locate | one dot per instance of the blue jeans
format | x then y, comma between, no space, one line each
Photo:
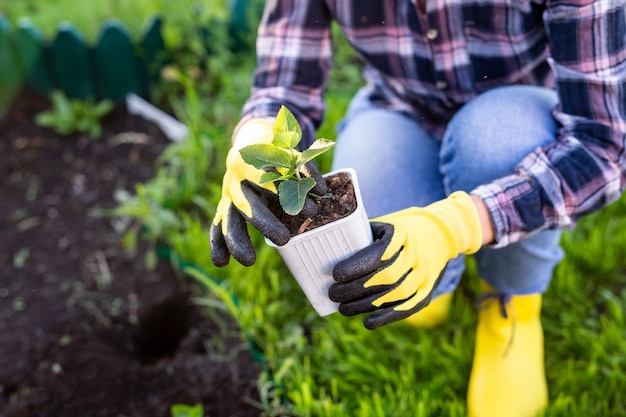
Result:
399,165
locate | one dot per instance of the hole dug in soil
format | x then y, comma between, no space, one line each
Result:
163,327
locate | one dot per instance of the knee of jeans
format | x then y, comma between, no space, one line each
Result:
506,110
493,132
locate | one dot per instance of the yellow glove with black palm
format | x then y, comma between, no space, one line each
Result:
244,199
395,276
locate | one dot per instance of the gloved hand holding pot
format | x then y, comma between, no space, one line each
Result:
389,267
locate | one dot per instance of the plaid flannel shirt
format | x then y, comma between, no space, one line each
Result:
427,65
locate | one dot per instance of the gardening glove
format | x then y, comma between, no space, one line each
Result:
395,276
245,200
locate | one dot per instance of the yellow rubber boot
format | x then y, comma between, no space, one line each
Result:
508,372
433,314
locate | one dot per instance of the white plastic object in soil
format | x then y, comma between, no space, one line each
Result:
172,128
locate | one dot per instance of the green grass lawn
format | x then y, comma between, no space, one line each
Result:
334,367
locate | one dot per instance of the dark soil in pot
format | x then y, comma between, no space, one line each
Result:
339,202
85,328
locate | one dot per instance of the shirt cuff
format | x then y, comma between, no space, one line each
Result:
491,194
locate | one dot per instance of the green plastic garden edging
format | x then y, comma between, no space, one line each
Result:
110,69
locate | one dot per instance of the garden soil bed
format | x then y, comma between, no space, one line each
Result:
85,328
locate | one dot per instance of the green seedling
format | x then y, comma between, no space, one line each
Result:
74,116
183,410
283,162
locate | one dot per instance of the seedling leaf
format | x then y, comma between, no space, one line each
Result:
270,177
102,108
265,155
183,410
317,148
287,139
292,194
286,161
286,122
69,115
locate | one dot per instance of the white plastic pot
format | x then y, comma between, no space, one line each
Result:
311,256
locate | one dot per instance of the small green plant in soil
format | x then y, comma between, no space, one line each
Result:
283,162
183,410
74,116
